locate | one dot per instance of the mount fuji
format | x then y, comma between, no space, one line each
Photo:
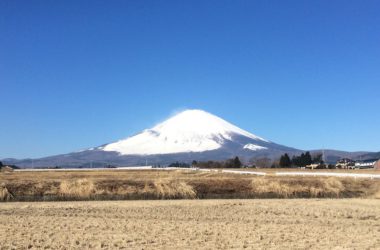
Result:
189,131
187,136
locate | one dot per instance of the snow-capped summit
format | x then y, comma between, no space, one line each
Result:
189,131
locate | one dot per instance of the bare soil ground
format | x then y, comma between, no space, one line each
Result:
192,224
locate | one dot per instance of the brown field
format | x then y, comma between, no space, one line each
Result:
273,170
174,184
186,224
192,224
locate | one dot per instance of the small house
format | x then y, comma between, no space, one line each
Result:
366,163
345,163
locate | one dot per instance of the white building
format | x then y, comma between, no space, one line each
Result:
366,163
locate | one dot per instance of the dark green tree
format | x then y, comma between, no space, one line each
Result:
302,160
285,161
179,165
237,162
308,160
296,161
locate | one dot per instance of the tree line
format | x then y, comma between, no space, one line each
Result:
230,163
300,161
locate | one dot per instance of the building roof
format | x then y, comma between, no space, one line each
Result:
367,161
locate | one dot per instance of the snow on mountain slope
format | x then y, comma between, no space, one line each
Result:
253,147
188,131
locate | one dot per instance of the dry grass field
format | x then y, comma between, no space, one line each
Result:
218,222
175,184
192,224
273,170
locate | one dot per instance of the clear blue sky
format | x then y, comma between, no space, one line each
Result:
77,74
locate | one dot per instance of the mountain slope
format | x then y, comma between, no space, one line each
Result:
190,135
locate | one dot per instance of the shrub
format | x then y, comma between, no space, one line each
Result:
173,189
80,188
5,195
266,188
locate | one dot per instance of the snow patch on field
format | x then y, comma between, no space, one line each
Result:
243,172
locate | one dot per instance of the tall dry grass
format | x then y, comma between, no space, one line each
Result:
173,189
265,188
134,185
162,188
80,188
5,195
377,195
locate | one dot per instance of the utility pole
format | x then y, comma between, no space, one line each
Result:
324,158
